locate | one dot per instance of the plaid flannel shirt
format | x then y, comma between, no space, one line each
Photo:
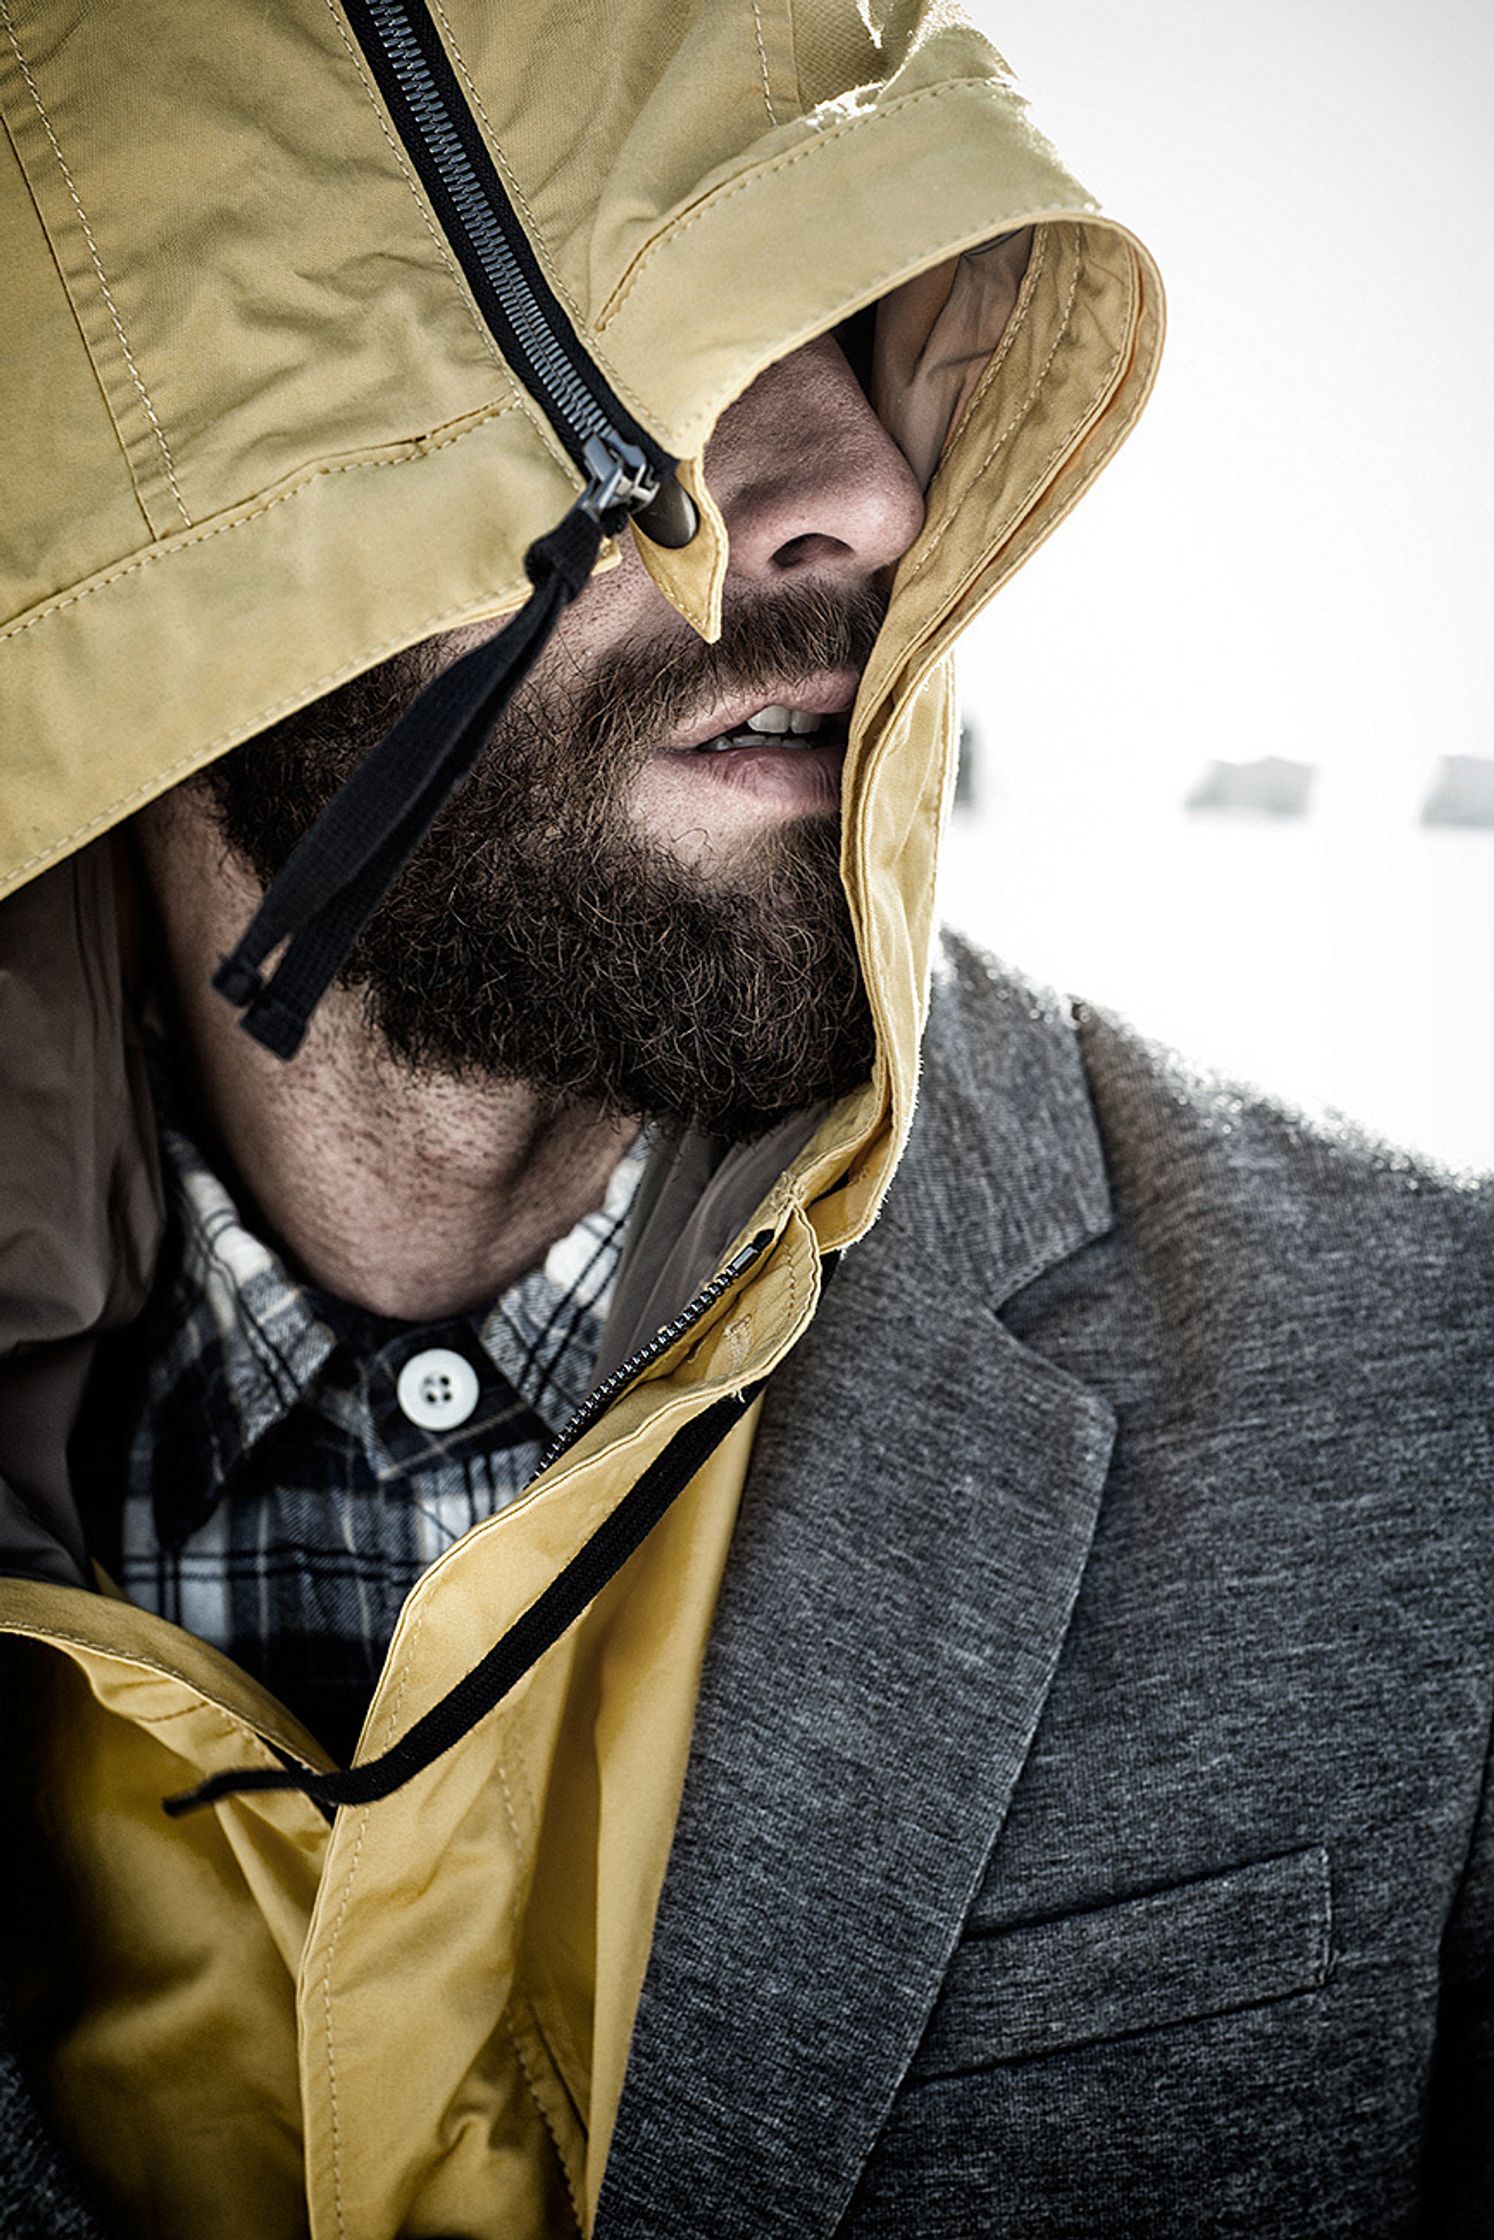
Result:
278,1500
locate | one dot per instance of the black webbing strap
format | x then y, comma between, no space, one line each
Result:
345,865
527,1639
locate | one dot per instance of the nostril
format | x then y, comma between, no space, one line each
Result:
811,550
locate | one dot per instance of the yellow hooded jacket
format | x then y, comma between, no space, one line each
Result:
263,431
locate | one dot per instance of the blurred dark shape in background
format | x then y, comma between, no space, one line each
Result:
1272,787
967,771
1462,792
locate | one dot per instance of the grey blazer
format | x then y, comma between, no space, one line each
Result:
1086,1830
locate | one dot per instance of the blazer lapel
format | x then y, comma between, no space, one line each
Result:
920,1507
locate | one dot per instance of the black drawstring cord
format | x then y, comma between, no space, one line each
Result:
527,1639
345,865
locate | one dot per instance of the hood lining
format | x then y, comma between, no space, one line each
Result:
999,442
1031,275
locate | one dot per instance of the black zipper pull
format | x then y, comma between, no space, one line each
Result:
343,867
621,479
659,506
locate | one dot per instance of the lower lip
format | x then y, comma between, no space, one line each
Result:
795,777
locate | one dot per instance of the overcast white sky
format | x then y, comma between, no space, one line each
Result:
1293,556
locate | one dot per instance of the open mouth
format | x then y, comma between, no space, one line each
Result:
816,718
789,730
741,763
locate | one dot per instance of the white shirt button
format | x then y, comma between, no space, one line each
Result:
437,1389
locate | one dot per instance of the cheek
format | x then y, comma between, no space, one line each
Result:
613,612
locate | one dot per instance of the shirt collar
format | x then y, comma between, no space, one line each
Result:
543,1332
232,1340
235,1340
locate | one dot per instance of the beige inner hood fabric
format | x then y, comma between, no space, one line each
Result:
261,436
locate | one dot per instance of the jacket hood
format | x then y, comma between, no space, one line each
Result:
267,434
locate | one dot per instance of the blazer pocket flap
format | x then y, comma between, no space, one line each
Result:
1201,1948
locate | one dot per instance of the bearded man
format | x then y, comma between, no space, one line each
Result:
655,1741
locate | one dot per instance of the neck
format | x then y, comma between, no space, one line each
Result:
413,1196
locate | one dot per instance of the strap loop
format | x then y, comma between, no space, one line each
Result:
343,867
526,1641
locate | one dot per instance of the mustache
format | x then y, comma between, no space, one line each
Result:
770,641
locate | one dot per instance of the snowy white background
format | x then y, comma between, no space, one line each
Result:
1291,557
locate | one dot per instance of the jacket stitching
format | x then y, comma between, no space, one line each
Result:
1021,312
510,180
335,1938
1016,420
526,1786
1104,391
232,1728
238,1728
72,1640
800,101
586,332
204,535
505,1791
478,324
511,1816
231,738
762,63
510,2031
334,2111
93,250
671,232
290,701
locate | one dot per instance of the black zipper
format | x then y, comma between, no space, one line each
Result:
323,896
601,1397
575,1585
344,866
625,468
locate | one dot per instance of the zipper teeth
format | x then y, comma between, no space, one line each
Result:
602,1397
568,393
483,230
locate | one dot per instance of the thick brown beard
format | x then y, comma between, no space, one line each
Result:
579,956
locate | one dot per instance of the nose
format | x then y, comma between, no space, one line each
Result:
807,478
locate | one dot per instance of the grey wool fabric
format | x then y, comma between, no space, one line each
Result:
1086,1831
40,2195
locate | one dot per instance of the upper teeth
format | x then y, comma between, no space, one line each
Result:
778,719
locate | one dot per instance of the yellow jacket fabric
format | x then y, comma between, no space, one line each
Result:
261,436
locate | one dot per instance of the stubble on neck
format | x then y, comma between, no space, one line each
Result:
416,1195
